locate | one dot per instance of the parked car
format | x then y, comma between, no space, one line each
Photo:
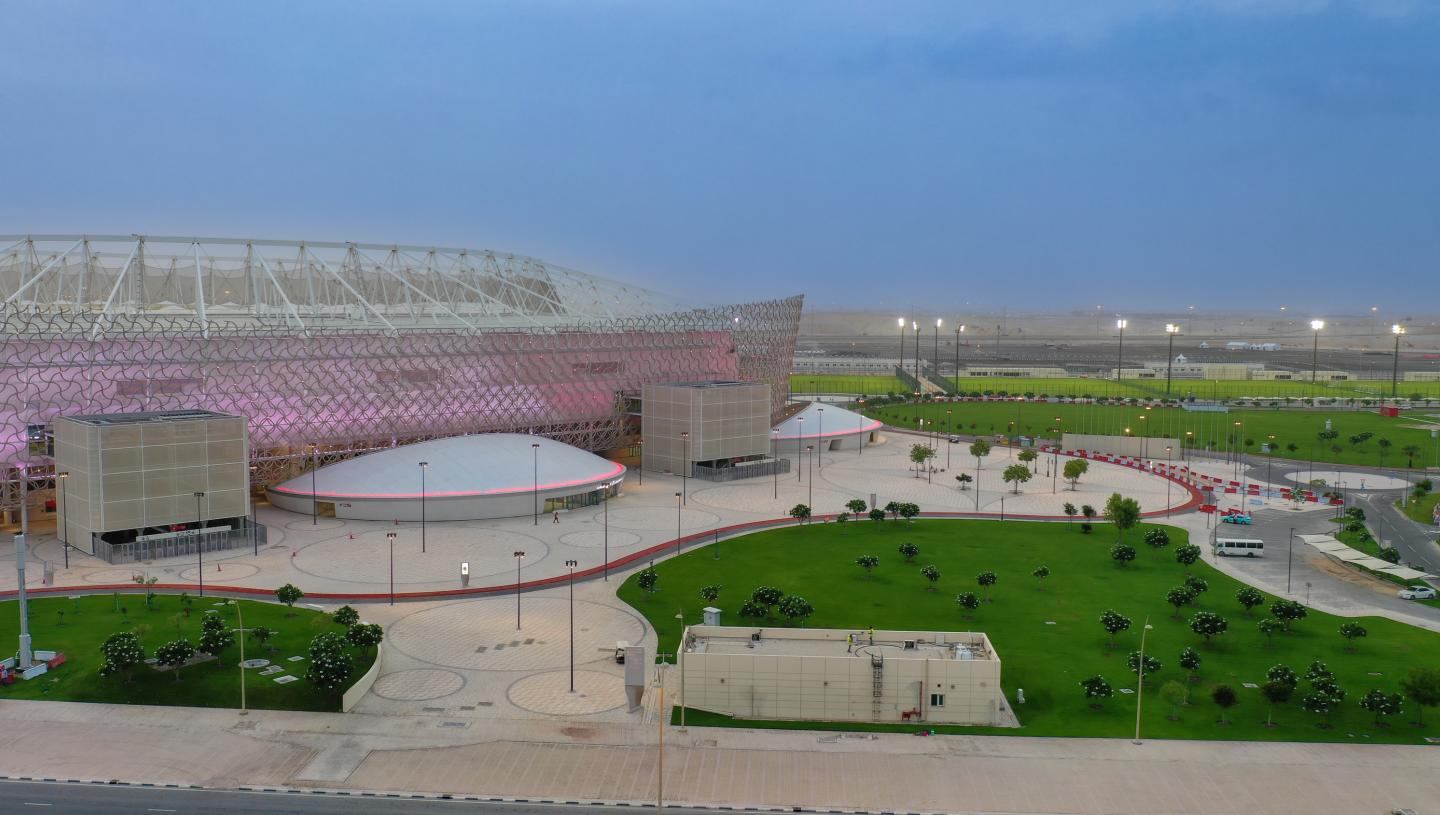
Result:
954,439
1417,593
1237,519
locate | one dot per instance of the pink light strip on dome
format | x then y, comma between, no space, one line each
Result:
554,485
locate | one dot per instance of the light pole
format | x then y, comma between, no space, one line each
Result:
1168,448
799,438
424,465
241,629
685,471
901,323
64,518
1399,331
641,468
949,435
915,326
200,542
1316,326
571,564
681,659
810,455
1189,440
936,360
391,537
254,520
677,523
775,464
1289,558
314,495
519,556
1269,462
534,486
1120,353
820,439
1239,451
1144,438
861,417
1140,685
958,331
605,513
1170,330
1055,464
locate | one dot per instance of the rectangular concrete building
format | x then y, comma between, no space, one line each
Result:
714,424
940,677
129,474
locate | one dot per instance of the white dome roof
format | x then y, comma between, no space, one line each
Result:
483,464
835,421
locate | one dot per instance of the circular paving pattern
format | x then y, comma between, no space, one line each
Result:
659,519
418,685
366,559
549,693
254,663
328,523
1350,478
481,635
596,539
228,572
112,576
758,497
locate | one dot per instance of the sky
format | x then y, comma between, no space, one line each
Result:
1020,155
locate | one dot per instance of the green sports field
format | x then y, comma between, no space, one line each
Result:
1048,636
801,384
78,627
1410,442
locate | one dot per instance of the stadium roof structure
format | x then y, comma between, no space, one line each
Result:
303,285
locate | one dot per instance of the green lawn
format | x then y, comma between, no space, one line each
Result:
1297,427
802,384
1181,388
1421,509
89,620
818,562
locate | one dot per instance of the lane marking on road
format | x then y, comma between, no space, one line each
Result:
159,810
35,804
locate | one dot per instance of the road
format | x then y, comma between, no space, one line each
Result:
99,799
1416,543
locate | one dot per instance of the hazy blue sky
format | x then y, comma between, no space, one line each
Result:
1136,154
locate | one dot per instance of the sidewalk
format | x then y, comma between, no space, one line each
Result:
718,767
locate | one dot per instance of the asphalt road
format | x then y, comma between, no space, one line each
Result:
84,799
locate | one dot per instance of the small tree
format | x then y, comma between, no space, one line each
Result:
795,608
963,481
750,608
1178,597
1352,631
1176,696
931,573
710,593
1208,624
1190,661
919,455
908,510
767,596
1070,511
1113,622
330,666
1028,457
1088,512
121,652
1040,573
215,637
1152,664
289,595
1187,555
346,616
1074,468
1381,704
1422,685
1016,474
800,513
968,601
262,635
868,563
1287,611
1224,696
1094,688
364,635
1274,693
1282,673
909,550
877,514
1122,554
1197,586
174,655
648,580
1319,703
1249,597
1122,512
1268,626
1157,538
857,506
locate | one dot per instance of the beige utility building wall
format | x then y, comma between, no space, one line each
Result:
810,674
1303,376
1132,446
1021,371
724,420
135,470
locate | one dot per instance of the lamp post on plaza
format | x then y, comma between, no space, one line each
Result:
936,360
1189,440
775,465
424,465
1317,326
915,326
641,457
901,322
519,556
799,439
685,468
1144,438
605,513
64,518
391,537
677,523
681,618
948,438
958,331
254,521
1399,331
1140,684
1055,462
1170,330
314,495
1120,352
1239,450
820,439
1168,448
1269,461
862,425
810,454
571,564
199,542
535,485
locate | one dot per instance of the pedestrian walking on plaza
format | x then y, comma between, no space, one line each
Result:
872,635
849,643
557,517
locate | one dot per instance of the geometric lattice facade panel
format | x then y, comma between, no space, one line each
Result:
347,355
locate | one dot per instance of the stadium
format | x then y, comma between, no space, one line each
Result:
331,350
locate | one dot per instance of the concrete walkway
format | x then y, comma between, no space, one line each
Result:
719,767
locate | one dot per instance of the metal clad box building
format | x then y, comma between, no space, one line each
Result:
704,422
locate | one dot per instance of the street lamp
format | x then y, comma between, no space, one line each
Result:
901,322
519,556
681,618
958,331
1144,438
861,418
810,456
314,496
424,465
1120,353
1189,440
64,518
1055,463
1316,326
641,468
685,471
200,541
820,439
1140,685
571,564
254,522
949,434
1399,331
391,537
775,463
1168,448
1171,330
1239,445
936,360
1269,462
678,499
605,506
535,484
799,438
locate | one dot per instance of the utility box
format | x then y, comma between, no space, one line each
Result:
1390,410
635,665
712,615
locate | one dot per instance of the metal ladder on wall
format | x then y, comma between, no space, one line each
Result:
877,685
